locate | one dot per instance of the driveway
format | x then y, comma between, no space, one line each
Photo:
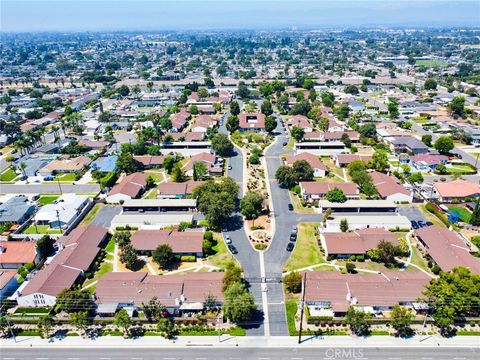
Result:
412,213
106,214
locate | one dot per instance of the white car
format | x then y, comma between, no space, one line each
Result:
227,239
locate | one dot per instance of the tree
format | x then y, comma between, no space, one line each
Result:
234,108
178,175
297,133
222,145
72,300
80,321
475,217
350,267
167,328
430,84
233,124
266,108
415,178
286,176
45,324
210,302
393,109
243,92
199,170
343,111
193,109
44,246
336,195
163,256
239,304
154,310
270,124
345,139
453,296
303,170
128,256
126,163
379,161
123,321
293,282
457,106
358,321
150,182
344,225
251,205
351,89
386,252
328,99
444,144
233,274
123,90
323,124
401,320
168,164
3,325
427,139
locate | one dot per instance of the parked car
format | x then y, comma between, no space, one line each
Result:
294,229
429,223
227,239
290,246
415,225
48,178
290,207
229,167
293,237
421,223
285,143
232,249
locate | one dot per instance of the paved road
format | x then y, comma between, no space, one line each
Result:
106,214
250,353
49,188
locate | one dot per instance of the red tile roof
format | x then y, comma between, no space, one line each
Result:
312,159
252,121
319,188
387,185
17,252
457,189
130,185
180,241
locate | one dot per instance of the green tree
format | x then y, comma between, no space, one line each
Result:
358,321
233,274
427,139
430,84
270,124
345,139
286,176
342,111
167,328
128,256
233,124
243,91
457,106
475,217
44,246
199,170
293,282
336,195
45,324
239,304
193,109
266,108
328,99
350,267
72,300
163,256
154,310
323,124
386,252
453,296
444,144
234,108
401,320
297,133
379,161
123,321
222,145
251,205
393,109
80,321
344,225
168,164
303,170
123,90
178,175
415,178
126,163
150,182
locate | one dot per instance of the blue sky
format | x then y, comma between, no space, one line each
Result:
79,15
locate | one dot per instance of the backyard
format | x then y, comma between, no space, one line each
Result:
41,229
47,199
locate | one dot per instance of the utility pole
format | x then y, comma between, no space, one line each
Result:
302,307
59,186
58,219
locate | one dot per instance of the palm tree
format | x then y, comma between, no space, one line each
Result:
22,167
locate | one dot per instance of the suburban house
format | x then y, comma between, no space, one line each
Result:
447,249
77,253
213,164
126,290
177,190
151,220
130,187
456,190
8,283
335,126
150,161
321,147
179,120
15,254
363,220
104,164
301,121
331,136
312,190
202,123
63,212
342,160
187,137
345,244
183,243
158,205
427,162
389,188
253,122
408,144
94,144
359,206
330,294
61,166
16,210
319,168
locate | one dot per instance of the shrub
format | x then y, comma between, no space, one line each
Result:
436,269
188,258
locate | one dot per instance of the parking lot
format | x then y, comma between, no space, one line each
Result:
413,214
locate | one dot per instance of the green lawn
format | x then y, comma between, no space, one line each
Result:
460,169
91,215
110,246
71,177
418,260
431,63
464,213
291,307
8,175
156,174
306,251
47,199
105,268
42,229
222,256
297,205
290,145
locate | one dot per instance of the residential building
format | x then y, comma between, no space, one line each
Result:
104,164
312,190
213,164
252,122
408,144
177,190
427,162
321,147
16,210
150,161
389,188
319,168
359,207
364,221
343,160
15,254
62,166
63,212
130,187
456,190
188,243
151,221
158,205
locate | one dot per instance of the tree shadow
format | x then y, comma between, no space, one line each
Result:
234,223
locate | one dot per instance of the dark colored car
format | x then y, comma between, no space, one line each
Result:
290,207
421,223
285,143
429,223
290,246
415,225
232,249
293,237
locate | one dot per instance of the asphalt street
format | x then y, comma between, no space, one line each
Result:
237,353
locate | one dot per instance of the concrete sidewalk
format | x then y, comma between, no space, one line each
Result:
243,341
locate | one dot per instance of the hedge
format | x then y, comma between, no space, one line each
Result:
188,258
433,209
